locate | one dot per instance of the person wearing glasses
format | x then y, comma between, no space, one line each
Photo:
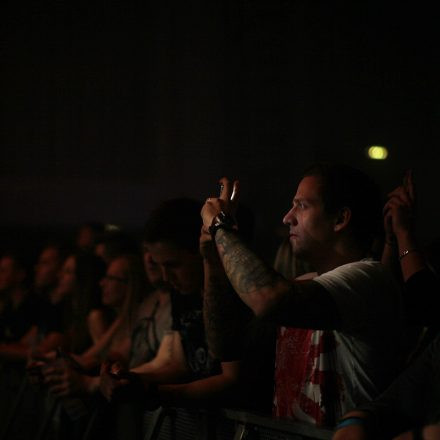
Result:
123,288
172,244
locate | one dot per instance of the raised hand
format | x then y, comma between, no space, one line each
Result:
227,202
399,210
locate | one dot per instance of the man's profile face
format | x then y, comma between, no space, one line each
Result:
10,275
114,285
67,277
180,268
311,229
152,269
47,268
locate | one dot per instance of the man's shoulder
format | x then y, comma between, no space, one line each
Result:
360,275
366,295
364,267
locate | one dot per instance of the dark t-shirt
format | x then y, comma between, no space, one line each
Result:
14,323
188,321
53,317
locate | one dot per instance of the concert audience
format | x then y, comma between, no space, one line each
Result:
203,322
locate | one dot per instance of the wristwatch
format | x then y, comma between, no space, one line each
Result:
222,221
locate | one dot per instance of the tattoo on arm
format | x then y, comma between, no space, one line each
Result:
298,304
224,313
247,273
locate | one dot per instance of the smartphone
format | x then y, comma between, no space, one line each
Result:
121,375
233,192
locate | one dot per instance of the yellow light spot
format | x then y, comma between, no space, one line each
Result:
377,152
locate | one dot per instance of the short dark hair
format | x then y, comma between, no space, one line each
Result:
345,186
175,221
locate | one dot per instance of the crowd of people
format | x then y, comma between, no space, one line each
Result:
340,331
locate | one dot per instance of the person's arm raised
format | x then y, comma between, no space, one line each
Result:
400,209
259,286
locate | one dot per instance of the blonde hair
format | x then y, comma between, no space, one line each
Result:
137,286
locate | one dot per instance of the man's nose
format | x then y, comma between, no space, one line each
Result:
290,218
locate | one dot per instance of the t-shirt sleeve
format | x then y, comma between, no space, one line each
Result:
365,293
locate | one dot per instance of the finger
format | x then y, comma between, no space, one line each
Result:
400,191
34,364
49,371
390,205
105,367
227,187
401,195
107,395
405,179
388,218
123,382
40,357
53,380
116,368
59,389
410,186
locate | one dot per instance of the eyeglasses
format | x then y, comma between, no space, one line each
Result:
113,278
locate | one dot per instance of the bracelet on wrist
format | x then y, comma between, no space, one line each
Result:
351,421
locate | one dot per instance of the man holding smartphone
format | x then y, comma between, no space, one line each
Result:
346,318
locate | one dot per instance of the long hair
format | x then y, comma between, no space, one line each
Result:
137,286
86,296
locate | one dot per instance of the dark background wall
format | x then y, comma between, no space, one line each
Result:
107,109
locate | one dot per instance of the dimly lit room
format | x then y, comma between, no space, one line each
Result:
110,109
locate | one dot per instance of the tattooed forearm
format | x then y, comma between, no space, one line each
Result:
245,270
224,314
256,282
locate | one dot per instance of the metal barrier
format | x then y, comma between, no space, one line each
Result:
227,424
255,426
32,414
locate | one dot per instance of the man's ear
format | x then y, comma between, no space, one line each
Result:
342,219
